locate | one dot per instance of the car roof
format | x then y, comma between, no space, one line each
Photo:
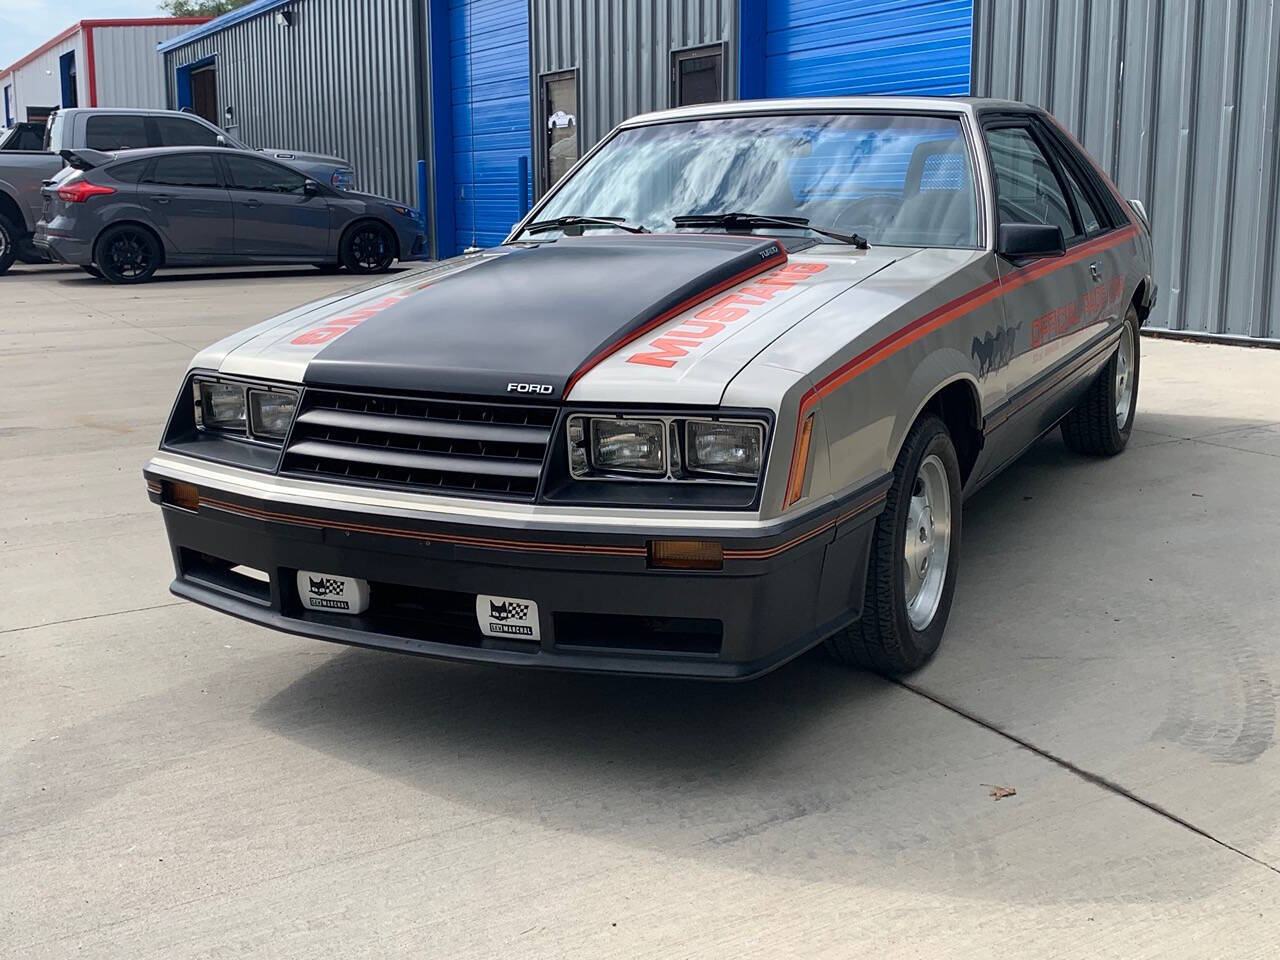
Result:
972,106
141,153
134,111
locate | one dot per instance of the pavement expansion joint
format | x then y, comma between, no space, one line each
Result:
1086,775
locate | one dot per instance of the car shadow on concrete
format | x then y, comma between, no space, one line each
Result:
813,771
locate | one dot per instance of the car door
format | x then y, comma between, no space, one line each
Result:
188,204
1045,322
276,215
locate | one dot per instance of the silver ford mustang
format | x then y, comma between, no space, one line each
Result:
718,399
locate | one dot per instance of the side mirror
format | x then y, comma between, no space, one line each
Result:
310,188
222,141
1030,241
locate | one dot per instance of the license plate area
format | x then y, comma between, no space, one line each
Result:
332,593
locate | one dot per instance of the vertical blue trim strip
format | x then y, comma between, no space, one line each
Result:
444,243
751,49
65,64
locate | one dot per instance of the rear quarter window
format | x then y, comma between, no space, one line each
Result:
130,172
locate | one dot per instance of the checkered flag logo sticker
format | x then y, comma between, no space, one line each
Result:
326,587
509,610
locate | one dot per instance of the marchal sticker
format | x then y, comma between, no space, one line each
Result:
330,593
507,617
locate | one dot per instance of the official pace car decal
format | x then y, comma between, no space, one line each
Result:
672,345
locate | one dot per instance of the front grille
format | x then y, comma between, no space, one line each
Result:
420,443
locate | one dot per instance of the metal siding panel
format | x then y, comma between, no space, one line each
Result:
622,52
39,82
341,80
130,73
1180,101
823,47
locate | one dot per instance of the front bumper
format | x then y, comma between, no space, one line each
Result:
601,607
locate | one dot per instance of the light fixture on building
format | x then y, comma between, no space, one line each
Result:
284,18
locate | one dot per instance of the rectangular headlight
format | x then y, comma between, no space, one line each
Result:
723,447
271,412
220,406
629,446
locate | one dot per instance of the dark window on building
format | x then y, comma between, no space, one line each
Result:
176,132
185,170
116,131
1027,190
130,172
67,67
559,125
204,93
697,76
247,173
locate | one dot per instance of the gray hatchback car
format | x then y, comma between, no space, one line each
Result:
122,216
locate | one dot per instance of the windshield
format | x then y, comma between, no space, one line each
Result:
893,179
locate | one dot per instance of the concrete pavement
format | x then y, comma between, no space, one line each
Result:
178,784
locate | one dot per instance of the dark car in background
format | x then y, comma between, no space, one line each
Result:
122,216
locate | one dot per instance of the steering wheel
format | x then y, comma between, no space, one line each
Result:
868,213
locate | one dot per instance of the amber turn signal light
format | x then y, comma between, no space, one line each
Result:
800,463
686,555
184,495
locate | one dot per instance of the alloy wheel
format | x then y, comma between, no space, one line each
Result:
927,544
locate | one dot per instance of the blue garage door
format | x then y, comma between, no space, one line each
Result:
831,47
489,73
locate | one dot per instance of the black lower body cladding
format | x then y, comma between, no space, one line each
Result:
600,607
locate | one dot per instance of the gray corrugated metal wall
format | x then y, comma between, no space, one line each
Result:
129,71
342,79
622,52
1180,101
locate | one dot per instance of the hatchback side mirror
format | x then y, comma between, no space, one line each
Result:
1030,241
310,188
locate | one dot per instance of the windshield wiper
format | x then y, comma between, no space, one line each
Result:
576,221
764,220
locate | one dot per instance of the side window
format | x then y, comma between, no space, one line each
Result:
115,131
177,132
246,173
184,170
30,138
1089,218
1027,191
130,172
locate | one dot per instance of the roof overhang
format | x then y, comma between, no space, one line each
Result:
218,24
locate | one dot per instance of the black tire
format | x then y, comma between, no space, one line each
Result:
128,254
368,247
8,244
1095,426
91,270
884,639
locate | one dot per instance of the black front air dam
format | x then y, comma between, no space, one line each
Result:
772,604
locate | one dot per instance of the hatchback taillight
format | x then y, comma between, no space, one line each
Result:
79,191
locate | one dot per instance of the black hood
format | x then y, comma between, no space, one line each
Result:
537,314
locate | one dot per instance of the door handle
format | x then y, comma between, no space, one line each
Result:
253,203
161,197
1095,269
